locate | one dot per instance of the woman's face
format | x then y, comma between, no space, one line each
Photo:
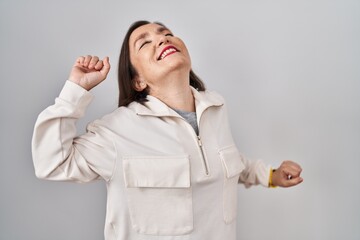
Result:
155,52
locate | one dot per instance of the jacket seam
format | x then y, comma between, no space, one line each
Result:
115,163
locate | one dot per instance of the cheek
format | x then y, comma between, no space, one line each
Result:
132,59
184,49
143,65
143,56
136,62
188,55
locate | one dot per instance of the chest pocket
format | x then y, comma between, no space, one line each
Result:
159,194
233,165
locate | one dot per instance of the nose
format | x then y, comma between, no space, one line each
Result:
162,40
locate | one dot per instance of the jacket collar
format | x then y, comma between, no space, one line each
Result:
155,107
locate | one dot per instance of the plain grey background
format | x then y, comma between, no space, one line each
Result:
289,71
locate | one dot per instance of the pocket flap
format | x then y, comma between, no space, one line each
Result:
157,171
232,161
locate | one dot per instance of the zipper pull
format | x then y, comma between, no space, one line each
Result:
203,156
199,141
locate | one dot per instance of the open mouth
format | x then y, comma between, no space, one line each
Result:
166,52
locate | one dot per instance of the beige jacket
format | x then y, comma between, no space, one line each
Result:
163,181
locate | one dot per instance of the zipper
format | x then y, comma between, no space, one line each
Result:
200,146
203,156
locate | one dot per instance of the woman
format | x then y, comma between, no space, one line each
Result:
166,154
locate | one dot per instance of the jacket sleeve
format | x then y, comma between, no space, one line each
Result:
255,173
58,154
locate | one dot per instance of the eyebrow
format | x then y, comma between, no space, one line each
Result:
144,35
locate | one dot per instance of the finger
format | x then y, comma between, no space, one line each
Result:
296,170
93,61
99,65
293,182
289,168
290,173
79,61
106,68
86,61
292,164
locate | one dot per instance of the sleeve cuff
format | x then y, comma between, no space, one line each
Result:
270,178
75,94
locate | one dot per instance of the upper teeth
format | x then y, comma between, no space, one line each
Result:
167,52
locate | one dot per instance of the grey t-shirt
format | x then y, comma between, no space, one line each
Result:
190,117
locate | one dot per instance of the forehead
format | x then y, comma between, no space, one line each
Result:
146,29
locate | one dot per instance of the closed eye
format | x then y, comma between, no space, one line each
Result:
169,34
142,45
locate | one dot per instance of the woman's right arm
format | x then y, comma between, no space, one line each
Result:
57,153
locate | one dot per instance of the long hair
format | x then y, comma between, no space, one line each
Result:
127,73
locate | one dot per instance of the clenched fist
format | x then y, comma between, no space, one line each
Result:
287,175
89,71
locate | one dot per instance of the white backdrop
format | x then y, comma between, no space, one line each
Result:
289,70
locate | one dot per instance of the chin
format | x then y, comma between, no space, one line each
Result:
180,63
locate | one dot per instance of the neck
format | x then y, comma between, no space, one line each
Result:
175,92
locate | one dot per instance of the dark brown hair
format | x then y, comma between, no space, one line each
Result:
126,73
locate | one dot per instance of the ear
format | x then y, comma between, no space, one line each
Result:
139,84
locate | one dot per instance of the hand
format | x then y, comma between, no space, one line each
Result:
287,175
89,71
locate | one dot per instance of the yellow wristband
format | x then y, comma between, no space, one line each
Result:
270,178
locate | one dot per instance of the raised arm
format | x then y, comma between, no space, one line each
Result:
58,154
